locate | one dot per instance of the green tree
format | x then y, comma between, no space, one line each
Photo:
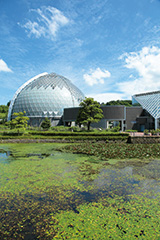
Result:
127,103
8,103
20,121
46,124
89,112
3,113
3,109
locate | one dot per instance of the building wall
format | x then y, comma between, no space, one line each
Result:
114,112
70,114
111,113
135,118
132,113
101,124
36,121
138,119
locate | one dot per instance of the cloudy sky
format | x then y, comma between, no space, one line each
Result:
110,49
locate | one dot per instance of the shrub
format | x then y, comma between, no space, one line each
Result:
157,131
60,129
146,131
20,121
114,129
46,124
74,129
153,132
131,130
14,132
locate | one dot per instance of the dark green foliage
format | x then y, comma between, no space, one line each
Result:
19,122
127,103
3,113
3,118
46,124
13,132
65,136
60,129
94,134
3,109
80,136
117,150
136,105
8,104
89,112
130,130
114,129
146,131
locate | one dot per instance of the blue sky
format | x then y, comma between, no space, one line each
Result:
110,49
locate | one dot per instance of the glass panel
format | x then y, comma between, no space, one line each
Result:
48,93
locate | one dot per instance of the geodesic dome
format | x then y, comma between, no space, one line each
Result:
45,95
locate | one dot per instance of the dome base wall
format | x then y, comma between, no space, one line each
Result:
36,121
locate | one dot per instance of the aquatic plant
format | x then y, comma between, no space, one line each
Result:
105,151
45,194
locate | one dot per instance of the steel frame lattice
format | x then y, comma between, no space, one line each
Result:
150,102
45,95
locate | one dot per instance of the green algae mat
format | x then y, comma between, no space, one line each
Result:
47,194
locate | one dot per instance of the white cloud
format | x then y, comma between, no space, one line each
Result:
106,97
147,64
4,67
96,76
48,22
35,29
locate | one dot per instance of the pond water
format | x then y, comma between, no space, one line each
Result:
44,194
4,156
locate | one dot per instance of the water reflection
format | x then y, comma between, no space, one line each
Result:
4,156
123,178
126,181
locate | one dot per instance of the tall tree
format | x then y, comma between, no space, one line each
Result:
89,112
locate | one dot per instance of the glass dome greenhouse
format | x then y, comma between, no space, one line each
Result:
45,95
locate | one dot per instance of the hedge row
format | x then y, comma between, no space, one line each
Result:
65,136
71,138
143,139
94,134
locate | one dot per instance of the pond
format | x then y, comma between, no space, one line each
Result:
47,194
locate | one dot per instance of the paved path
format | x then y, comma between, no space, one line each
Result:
138,134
